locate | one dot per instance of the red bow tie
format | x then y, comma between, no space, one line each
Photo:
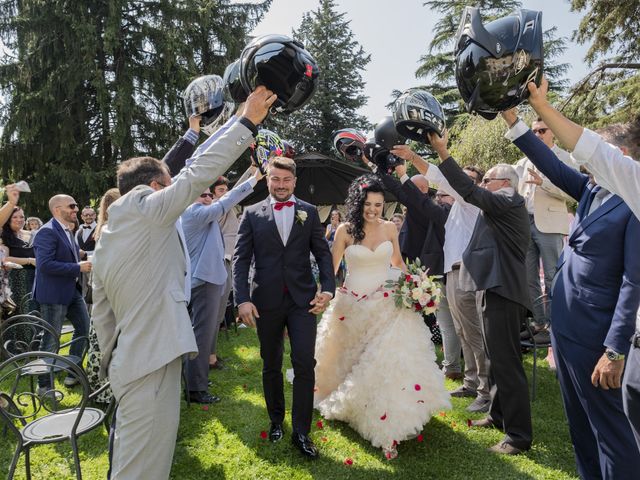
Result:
281,205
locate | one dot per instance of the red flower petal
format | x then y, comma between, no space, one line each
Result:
319,424
407,278
420,438
417,387
384,417
341,318
395,443
430,304
388,455
442,414
263,434
348,462
386,294
468,422
420,401
205,408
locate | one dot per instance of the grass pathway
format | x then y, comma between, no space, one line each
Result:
224,441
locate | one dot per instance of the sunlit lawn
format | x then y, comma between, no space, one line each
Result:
224,441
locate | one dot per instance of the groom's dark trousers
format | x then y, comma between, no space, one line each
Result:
301,327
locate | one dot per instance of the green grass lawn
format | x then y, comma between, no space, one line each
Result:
224,442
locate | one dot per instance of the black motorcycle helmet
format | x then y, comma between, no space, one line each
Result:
417,112
233,90
494,63
283,66
377,149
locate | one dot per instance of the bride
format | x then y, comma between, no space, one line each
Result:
376,365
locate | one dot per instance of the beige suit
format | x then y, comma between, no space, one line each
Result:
549,202
140,308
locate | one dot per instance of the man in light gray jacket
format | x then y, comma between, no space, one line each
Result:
140,305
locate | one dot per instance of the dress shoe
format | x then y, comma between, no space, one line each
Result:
217,366
463,392
479,405
505,448
305,445
275,432
454,376
203,397
542,337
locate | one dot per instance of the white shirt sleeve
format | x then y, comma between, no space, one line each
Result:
611,168
434,175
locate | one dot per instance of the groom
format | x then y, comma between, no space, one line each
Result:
280,233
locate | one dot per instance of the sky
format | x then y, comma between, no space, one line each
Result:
397,32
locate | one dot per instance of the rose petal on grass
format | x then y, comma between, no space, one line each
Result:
263,435
319,424
417,387
348,462
384,417
420,438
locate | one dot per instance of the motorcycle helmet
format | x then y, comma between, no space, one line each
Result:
283,66
417,112
233,91
349,143
268,144
204,97
377,149
495,62
386,134
289,151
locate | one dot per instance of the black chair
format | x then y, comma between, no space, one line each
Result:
55,417
530,343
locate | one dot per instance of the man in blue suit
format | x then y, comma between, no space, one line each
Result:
208,276
57,287
596,293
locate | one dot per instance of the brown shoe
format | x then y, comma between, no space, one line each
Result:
454,376
505,448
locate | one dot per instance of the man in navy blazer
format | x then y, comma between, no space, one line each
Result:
57,287
596,293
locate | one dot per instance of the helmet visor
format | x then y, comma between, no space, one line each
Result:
272,66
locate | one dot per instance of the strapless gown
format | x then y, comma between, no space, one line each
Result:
376,365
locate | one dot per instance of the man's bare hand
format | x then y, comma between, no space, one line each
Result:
608,373
194,123
320,303
534,177
510,116
538,95
257,174
258,104
440,144
404,152
248,313
401,170
85,266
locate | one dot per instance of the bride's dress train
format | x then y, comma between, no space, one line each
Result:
376,365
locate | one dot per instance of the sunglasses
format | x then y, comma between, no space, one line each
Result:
73,206
540,131
486,180
205,195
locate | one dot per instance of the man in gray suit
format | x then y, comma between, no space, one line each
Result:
140,306
208,276
494,266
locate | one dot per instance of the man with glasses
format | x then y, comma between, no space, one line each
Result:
57,285
205,243
493,265
549,222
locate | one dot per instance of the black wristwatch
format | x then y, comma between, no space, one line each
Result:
613,355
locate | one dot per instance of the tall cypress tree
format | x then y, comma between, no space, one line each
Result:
328,37
88,84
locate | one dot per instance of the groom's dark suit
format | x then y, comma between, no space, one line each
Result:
283,286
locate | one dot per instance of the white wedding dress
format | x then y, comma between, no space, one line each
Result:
376,365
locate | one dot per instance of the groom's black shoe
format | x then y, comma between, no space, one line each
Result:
305,445
275,432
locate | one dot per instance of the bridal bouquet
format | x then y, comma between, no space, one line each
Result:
416,289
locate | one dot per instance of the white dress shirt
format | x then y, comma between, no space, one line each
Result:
460,222
284,218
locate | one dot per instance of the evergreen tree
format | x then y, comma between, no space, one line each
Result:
88,84
326,34
437,65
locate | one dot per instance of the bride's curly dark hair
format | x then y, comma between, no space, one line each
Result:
355,203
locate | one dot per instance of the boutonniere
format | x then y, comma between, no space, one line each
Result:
301,217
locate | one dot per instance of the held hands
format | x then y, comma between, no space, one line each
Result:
248,313
320,303
607,373
534,177
258,103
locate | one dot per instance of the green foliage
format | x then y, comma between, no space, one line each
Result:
328,37
613,26
88,84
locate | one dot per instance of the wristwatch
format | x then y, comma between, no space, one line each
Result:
613,355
